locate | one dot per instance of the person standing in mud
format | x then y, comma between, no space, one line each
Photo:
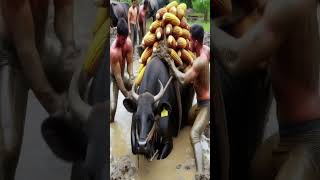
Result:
286,41
142,18
198,74
121,52
132,22
22,32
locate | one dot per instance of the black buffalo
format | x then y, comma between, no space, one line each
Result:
147,105
80,136
154,6
118,10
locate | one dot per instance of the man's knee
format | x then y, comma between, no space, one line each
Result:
195,135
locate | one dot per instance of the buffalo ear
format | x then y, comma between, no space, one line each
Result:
130,105
163,105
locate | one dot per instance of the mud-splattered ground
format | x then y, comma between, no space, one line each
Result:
179,165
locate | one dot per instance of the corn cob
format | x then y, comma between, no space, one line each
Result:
154,26
145,55
171,18
185,34
160,13
154,48
180,12
140,68
149,39
188,45
177,31
172,4
179,53
175,57
140,76
186,57
173,10
159,33
184,23
182,6
96,49
168,29
192,54
171,42
181,43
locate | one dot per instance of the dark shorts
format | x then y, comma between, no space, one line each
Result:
294,153
134,33
202,103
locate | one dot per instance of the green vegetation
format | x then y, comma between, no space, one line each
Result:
202,6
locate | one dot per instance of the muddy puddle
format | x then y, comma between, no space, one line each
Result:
179,165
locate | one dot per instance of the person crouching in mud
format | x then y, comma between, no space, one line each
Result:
286,40
22,32
121,51
132,22
198,74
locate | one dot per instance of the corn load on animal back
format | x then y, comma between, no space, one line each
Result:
160,13
149,39
140,68
154,47
192,54
140,76
173,10
145,55
175,56
171,18
184,24
172,4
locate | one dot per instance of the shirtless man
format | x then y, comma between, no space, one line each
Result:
199,75
143,10
121,52
22,34
132,22
286,41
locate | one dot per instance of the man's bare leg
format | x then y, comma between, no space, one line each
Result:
13,102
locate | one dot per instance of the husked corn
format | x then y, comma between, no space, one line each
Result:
159,33
172,43
168,29
180,12
173,10
140,76
186,57
154,48
185,34
145,55
155,25
172,4
177,31
160,13
149,39
171,18
183,6
175,57
181,43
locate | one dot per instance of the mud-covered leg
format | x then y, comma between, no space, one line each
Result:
113,100
166,134
13,102
202,120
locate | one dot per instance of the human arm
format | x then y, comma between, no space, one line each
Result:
254,47
19,21
116,70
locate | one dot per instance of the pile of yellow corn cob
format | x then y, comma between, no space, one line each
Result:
172,26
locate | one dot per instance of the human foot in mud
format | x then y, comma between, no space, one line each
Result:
202,177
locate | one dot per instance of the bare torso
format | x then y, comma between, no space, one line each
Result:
202,83
295,69
142,14
132,14
118,55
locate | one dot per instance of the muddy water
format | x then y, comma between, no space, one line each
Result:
179,165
